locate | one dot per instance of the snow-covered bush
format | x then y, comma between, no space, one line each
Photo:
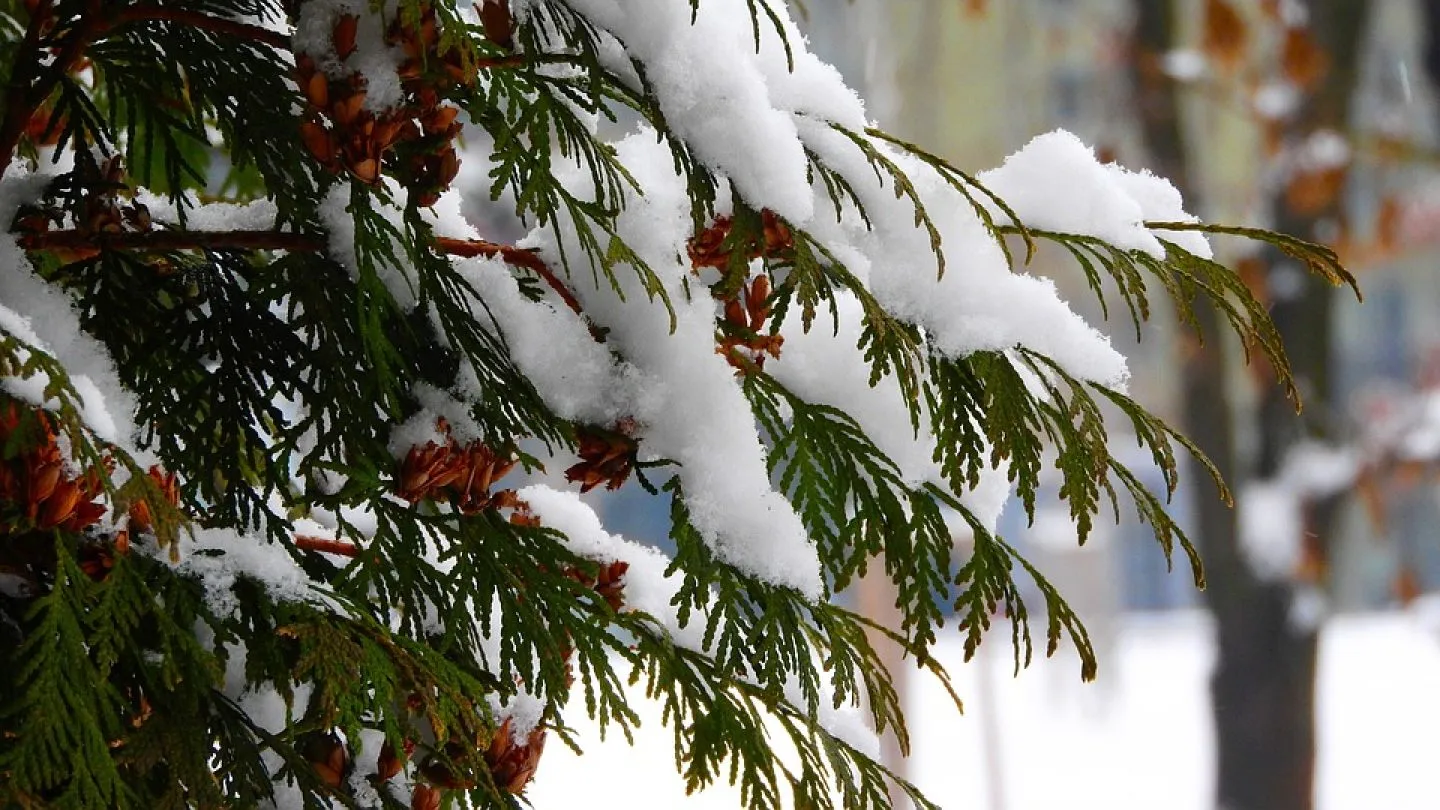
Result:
293,450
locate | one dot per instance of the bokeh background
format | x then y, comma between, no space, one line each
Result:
1307,675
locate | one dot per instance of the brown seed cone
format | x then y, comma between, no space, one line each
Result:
426,797
499,26
343,37
392,762
512,764
327,755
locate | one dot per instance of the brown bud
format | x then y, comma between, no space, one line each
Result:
42,481
366,171
390,762
498,24
425,797
344,35
60,505
318,141
317,90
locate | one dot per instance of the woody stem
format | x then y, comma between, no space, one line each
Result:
278,240
308,543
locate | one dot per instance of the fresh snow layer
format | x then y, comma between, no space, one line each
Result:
687,403
732,104
756,120
1057,183
219,557
44,316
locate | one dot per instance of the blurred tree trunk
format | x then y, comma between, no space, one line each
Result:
1431,10
1263,686
1268,667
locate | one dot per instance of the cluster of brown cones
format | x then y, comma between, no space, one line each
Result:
416,137
708,248
38,487
606,457
743,338
42,490
459,473
511,763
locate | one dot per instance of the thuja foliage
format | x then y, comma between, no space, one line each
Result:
437,599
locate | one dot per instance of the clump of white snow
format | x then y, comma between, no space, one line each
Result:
219,557
1271,529
1056,183
44,316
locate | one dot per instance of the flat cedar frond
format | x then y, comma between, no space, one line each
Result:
1318,259
888,171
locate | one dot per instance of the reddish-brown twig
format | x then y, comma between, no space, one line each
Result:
340,547
278,240
519,257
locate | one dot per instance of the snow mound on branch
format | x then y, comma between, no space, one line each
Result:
757,117
220,557
827,367
689,408
1056,183
733,104
43,316
979,303
647,588
575,375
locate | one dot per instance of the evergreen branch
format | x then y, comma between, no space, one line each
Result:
195,19
964,183
165,241
511,255
884,166
1321,260
28,92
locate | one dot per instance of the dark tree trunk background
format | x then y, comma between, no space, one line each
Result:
1263,686
1431,10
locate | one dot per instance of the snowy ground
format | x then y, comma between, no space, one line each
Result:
1140,738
